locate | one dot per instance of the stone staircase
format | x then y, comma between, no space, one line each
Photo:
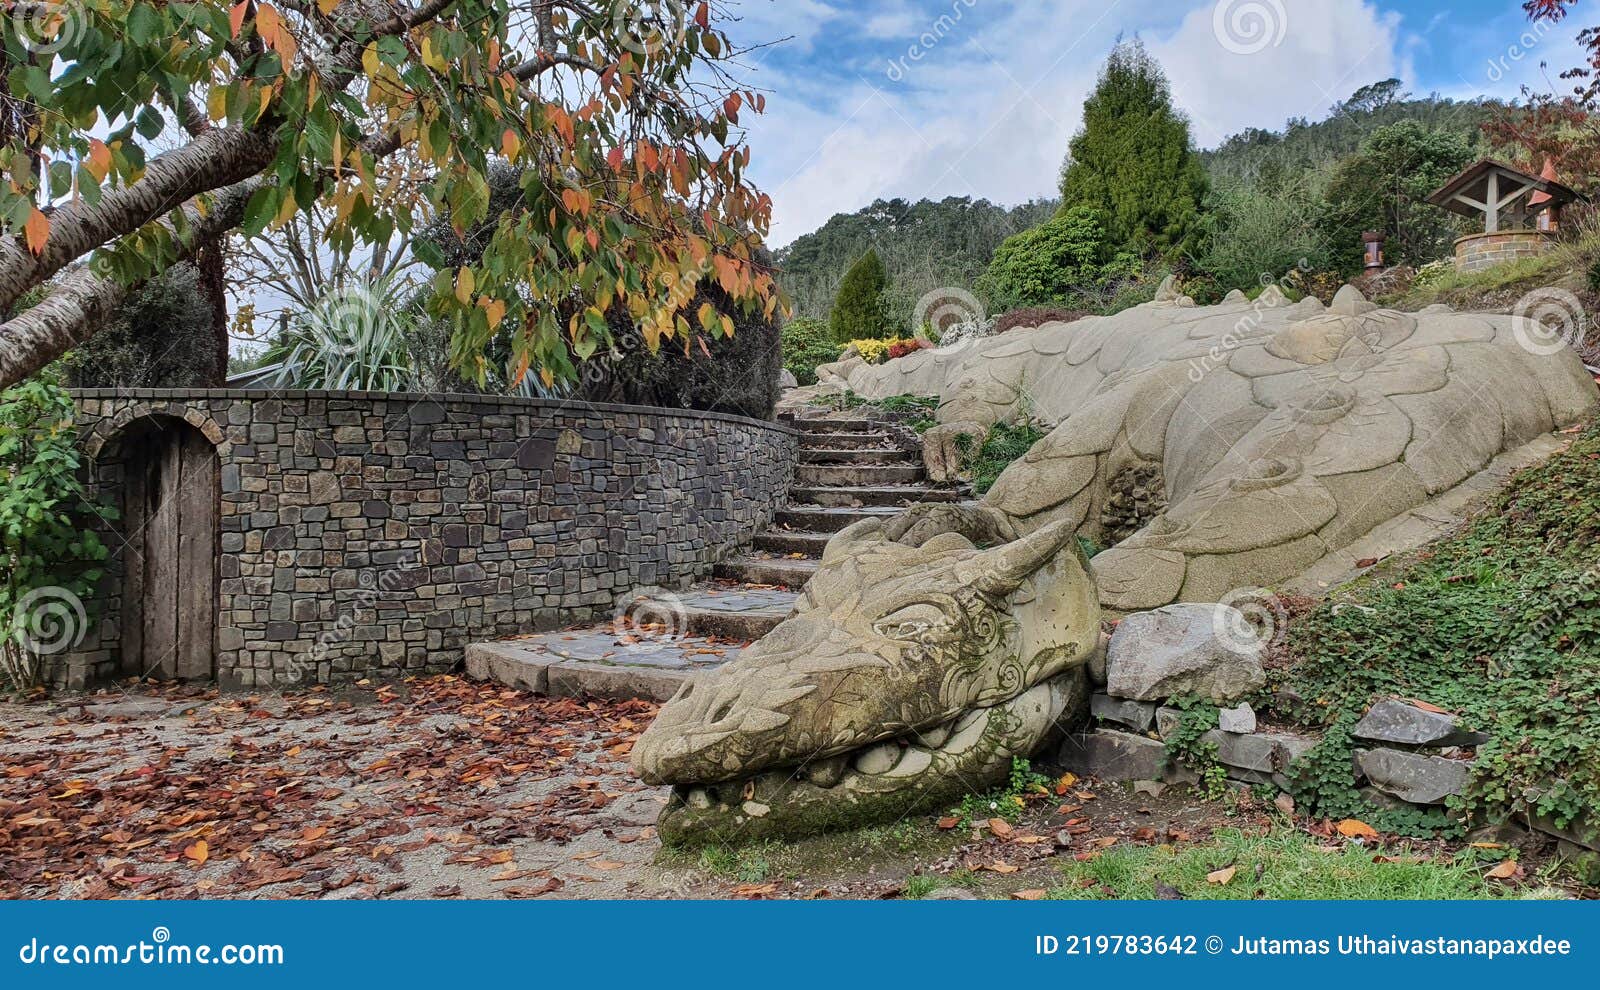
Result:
850,469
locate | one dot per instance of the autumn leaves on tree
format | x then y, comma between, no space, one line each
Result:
622,117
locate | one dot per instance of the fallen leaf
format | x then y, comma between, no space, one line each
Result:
1037,894
1002,868
1353,828
607,864
1000,827
1222,877
1284,802
313,834
1065,784
949,823
1505,871
1105,842
198,852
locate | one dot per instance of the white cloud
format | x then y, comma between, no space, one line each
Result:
980,97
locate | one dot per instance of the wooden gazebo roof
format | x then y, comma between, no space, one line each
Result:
1487,187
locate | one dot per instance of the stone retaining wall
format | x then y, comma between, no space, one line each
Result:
375,534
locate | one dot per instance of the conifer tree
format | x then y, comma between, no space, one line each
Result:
859,312
1133,159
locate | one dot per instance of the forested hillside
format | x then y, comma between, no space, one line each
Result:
924,245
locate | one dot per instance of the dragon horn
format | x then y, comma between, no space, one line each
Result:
1001,571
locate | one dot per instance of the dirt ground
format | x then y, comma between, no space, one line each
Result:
448,788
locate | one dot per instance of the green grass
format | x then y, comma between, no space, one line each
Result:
1006,443
1499,623
916,411
1291,867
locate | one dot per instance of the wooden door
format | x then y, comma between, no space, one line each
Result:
170,588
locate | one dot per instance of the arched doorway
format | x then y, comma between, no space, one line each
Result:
169,513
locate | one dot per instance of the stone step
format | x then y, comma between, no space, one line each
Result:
726,611
857,475
836,424
820,455
816,519
759,568
781,542
597,662
878,495
846,441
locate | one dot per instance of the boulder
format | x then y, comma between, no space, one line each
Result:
1412,777
1396,722
1136,715
787,380
1183,649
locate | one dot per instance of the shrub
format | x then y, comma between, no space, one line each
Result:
806,345
355,337
1036,316
1051,264
49,553
859,310
163,336
901,348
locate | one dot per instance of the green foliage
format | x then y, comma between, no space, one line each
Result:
1004,444
355,337
162,336
49,552
1499,623
1257,232
859,310
916,411
1134,159
1275,866
808,343
1186,744
1056,263
1007,803
925,246
1384,187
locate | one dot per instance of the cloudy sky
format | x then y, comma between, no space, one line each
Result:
933,98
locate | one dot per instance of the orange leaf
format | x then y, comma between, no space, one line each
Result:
1065,784
949,823
1221,877
1435,709
1352,828
1000,827
198,852
37,231
1029,895
1505,871
236,16
1002,868
99,163
315,833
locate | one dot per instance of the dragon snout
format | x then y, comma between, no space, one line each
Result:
722,724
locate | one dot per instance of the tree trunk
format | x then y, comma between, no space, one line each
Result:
213,278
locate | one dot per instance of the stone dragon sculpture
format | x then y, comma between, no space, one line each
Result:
1209,448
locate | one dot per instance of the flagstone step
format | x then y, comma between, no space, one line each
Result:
835,424
729,611
850,475
843,497
597,663
846,441
778,541
760,568
816,455
817,519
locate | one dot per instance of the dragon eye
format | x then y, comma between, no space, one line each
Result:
911,622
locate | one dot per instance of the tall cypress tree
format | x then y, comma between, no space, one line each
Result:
1133,159
859,312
